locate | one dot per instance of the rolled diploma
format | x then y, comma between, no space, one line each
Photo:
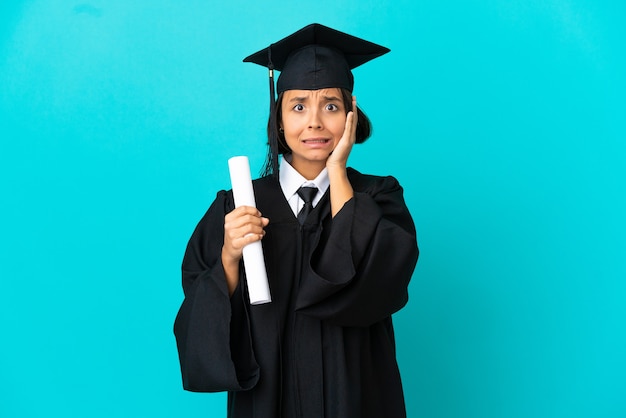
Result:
253,261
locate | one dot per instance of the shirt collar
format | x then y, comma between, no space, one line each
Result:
291,180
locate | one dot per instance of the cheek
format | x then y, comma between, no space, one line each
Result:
289,128
339,126
289,123
291,131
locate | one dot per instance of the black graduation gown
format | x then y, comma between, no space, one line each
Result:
324,346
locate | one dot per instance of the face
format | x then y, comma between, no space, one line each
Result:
313,122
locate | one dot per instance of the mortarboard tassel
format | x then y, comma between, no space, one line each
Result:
270,67
271,164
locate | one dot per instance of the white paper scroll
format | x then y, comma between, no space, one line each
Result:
253,262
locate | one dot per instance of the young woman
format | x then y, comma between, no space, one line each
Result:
339,247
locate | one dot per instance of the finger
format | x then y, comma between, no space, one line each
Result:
350,129
248,238
241,215
234,248
243,210
244,225
355,118
243,230
236,239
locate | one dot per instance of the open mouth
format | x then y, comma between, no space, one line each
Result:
316,141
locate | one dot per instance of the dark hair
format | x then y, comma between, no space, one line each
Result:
276,144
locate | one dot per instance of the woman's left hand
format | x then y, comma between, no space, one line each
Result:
340,188
339,157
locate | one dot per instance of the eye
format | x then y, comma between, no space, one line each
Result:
299,107
332,107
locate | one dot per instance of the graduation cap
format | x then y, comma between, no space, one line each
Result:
312,58
315,57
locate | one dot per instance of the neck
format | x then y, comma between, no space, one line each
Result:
309,170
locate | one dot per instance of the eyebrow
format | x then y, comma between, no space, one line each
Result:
297,99
326,98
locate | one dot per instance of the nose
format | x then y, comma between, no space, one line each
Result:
315,121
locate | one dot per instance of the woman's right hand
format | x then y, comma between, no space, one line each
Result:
242,226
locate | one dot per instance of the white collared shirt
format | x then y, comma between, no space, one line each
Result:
291,181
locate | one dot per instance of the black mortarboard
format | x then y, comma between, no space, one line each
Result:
315,57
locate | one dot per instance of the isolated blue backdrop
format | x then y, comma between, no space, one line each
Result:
503,120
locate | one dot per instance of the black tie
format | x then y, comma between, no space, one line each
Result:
307,194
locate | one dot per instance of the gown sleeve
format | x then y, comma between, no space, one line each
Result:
212,329
361,268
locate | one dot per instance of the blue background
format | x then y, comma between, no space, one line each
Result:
503,120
